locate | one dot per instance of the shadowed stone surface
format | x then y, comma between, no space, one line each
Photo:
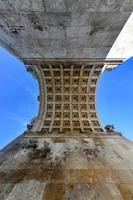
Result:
61,28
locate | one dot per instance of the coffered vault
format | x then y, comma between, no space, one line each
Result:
68,95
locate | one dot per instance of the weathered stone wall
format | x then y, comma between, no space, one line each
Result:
61,28
94,168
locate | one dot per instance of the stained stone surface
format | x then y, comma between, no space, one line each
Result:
62,28
63,168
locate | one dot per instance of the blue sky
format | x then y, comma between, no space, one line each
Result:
19,91
18,97
115,98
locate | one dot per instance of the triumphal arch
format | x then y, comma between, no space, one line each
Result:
65,153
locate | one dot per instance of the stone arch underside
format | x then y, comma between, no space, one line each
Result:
68,96
61,29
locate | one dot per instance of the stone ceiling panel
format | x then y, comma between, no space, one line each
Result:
61,29
19,5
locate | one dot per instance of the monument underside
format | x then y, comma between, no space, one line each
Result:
67,96
61,28
65,154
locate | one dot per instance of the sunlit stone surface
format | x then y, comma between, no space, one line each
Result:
123,46
65,153
60,168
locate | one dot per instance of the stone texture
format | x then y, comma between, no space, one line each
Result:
61,28
123,46
83,168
